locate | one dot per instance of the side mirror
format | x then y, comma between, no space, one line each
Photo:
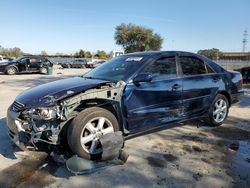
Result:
142,78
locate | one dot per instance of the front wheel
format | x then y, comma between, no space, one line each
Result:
11,70
218,110
86,129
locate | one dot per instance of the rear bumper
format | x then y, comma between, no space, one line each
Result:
236,97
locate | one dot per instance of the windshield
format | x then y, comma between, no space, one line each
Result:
119,68
19,58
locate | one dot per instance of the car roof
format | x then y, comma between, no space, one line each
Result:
158,53
33,56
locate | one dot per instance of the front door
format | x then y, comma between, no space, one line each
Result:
23,64
149,104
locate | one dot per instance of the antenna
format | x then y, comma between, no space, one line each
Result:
244,41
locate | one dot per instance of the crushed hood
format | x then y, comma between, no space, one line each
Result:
57,90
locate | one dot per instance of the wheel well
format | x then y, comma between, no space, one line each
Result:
106,104
227,95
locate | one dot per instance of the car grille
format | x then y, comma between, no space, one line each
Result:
17,106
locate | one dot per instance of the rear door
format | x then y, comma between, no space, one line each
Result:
159,101
35,63
200,84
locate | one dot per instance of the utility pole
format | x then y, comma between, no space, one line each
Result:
244,41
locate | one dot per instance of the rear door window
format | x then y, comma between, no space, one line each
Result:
192,66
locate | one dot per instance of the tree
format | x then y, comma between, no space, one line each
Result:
11,52
81,54
137,38
101,54
213,53
88,54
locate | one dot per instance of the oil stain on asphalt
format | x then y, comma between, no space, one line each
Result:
161,163
26,173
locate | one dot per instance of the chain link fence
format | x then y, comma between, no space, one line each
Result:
233,64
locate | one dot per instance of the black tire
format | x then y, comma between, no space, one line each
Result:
211,120
11,70
78,129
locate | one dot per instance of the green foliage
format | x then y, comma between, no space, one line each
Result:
213,53
88,54
11,52
135,38
83,54
102,54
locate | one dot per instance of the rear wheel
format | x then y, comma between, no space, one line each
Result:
43,70
218,110
11,70
86,129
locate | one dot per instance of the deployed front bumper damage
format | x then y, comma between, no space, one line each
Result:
27,132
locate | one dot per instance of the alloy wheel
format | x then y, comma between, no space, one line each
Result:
11,71
220,110
92,132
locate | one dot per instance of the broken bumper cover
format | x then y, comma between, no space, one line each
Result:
16,132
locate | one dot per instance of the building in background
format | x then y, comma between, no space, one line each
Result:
243,56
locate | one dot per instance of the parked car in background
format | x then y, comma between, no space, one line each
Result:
245,71
5,59
1,59
94,64
26,64
77,63
131,93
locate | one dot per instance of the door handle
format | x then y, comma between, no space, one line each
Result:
176,86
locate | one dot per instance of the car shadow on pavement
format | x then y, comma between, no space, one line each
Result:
7,148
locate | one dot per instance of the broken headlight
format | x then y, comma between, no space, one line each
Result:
45,113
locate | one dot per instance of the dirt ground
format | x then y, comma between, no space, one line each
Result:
190,154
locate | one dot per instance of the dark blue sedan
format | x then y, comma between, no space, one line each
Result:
130,93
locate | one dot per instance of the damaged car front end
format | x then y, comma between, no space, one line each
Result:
30,127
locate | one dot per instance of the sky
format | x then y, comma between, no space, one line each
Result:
66,26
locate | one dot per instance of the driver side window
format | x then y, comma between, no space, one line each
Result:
24,60
161,69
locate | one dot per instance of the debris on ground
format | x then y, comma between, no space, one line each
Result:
112,154
58,158
234,146
197,176
43,166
